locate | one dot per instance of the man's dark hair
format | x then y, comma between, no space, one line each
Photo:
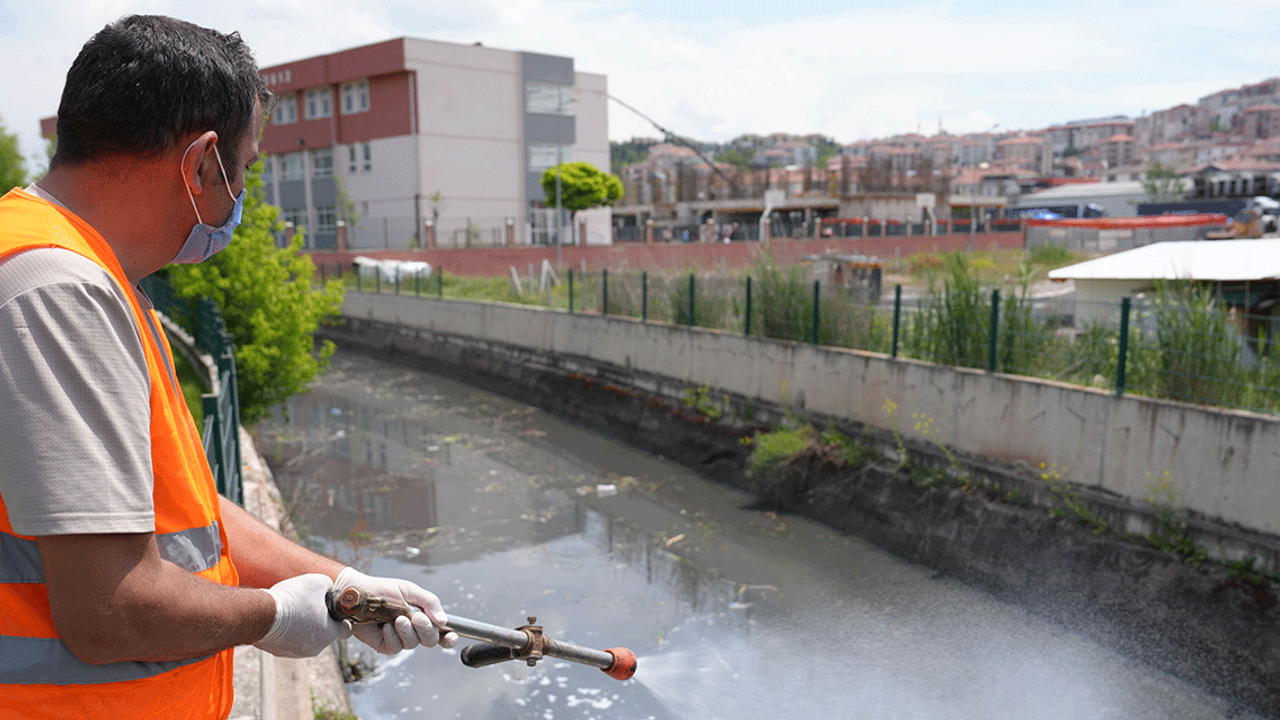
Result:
145,81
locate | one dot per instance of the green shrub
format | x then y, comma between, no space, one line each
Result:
771,448
850,451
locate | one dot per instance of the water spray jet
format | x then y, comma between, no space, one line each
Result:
499,644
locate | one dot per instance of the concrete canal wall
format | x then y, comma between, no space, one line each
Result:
1221,464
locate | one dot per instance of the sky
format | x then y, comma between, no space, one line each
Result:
712,70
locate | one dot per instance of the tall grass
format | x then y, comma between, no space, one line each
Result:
784,302
712,305
952,325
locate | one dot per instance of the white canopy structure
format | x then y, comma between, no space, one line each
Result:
1247,269
1220,260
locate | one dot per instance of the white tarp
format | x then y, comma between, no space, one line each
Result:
390,270
1219,260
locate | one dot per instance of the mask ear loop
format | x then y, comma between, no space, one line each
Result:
190,196
226,180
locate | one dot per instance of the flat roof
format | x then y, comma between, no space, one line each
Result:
1218,260
1076,191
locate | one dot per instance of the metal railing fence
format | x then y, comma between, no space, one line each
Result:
221,406
1179,343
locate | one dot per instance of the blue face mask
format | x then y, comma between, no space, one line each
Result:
205,241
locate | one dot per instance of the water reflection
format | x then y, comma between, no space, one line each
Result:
735,611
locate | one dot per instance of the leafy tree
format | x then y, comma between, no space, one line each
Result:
826,149
267,300
739,158
582,186
628,152
1163,184
13,167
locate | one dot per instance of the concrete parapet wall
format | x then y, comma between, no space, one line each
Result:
1222,462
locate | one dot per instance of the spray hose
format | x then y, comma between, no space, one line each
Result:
498,644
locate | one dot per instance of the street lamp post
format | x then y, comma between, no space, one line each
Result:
559,147
973,216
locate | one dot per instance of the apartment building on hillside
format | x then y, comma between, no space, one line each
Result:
404,135
1083,135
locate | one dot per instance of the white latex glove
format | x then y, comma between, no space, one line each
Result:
421,627
302,627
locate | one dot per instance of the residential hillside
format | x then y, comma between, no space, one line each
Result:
1223,147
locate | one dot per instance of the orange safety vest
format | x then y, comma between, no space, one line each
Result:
39,677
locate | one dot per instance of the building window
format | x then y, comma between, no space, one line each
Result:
548,99
545,155
355,97
322,163
319,103
326,220
292,166
286,111
359,158
268,169
297,216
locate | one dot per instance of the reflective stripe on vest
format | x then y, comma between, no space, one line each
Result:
48,661
192,550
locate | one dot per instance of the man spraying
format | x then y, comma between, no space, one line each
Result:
125,580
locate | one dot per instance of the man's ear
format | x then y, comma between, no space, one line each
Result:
197,159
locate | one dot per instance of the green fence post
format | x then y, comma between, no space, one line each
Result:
995,331
440,282
897,318
377,283
644,295
604,293
358,283
746,322
397,279
815,311
692,293
1125,306
570,289
417,281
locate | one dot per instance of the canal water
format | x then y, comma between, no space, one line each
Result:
735,610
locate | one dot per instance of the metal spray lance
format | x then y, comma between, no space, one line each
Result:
498,644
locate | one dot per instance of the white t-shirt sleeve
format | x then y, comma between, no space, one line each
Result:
75,412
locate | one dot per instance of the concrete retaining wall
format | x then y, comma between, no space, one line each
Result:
1222,462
